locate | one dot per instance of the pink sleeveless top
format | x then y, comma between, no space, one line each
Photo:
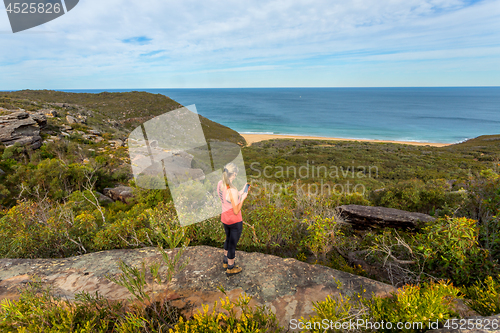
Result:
227,216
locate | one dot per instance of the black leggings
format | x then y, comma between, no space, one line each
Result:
233,233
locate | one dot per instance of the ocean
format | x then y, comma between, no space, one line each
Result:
444,114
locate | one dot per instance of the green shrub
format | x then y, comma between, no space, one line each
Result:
44,230
270,227
125,229
415,196
410,304
452,251
38,311
339,309
484,298
258,320
425,303
323,235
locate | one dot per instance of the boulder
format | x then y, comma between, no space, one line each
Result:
95,132
287,286
21,127
71,119
122,193
40,118
2,172
104,199
366,216
116,143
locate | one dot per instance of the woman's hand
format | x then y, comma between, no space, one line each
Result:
244,196
243,189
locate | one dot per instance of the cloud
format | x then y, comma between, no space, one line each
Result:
125,42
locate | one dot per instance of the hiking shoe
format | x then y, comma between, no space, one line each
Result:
233,270
224,265
224,262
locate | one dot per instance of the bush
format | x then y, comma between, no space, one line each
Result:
44,230
452,251
484,298
37,311
250,320
323,235
270,228
425,303
410,304
335,310
416,196
125,229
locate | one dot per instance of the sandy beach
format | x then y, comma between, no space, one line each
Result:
251,138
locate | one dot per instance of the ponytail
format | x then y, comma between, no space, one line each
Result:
228,171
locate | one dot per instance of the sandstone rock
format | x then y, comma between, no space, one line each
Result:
67,128
95,132
21,127
366,216
117,143
122,193
177,165
40,118
71,119
287,286
104,199
462,309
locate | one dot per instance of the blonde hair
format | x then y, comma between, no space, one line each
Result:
229,170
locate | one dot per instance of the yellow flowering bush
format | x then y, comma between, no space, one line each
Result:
484,298
250,320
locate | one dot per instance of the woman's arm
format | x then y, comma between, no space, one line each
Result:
236,206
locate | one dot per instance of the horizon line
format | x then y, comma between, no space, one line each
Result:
295,87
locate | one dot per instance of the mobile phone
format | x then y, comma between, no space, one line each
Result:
246,188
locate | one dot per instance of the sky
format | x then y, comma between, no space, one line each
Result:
123,44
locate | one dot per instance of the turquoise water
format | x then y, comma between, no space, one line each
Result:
445,115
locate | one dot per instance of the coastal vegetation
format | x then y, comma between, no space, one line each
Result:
50,207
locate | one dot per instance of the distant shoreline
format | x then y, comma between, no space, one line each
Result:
251,138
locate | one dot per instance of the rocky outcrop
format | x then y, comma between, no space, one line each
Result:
366,216
101,197
23,128
71,120
116,143
122,193
287,286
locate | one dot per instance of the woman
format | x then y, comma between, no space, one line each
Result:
232,200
